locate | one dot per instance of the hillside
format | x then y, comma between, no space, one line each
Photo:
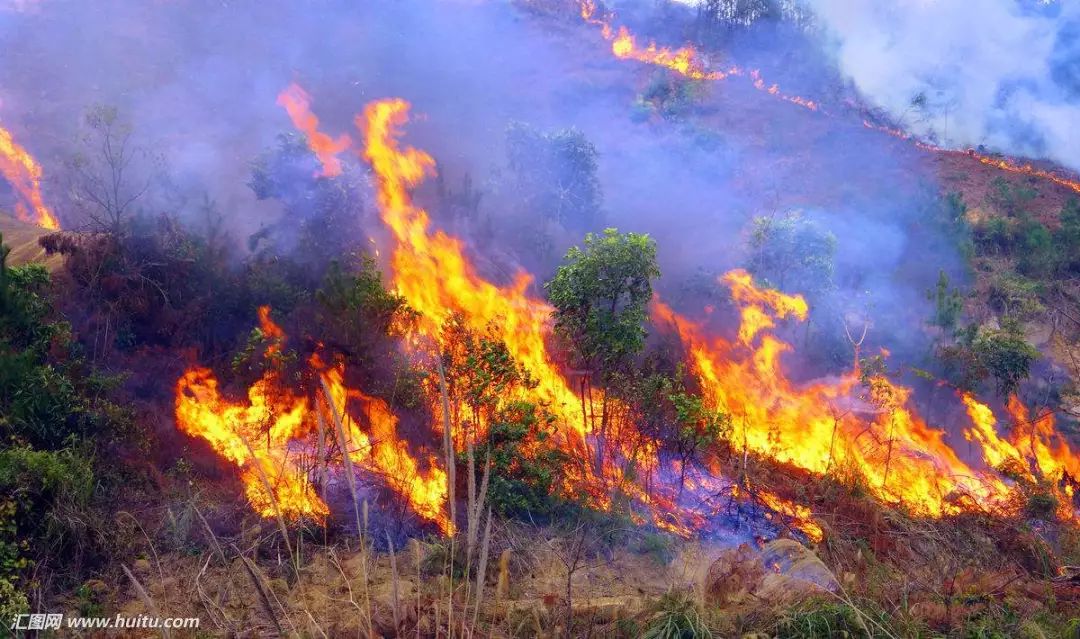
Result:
533,319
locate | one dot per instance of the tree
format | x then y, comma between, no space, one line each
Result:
555,173
600,294
525,464
107,181
792,253
696,426
948,304
1005,354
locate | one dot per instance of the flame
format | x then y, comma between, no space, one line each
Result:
685,60
815,426
269,437
1038,439
381,451
1004,164
801,517
297,103
996,451
820,425
431,271
255,435
23,172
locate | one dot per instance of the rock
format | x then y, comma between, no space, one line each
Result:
782,571
795,573
735,574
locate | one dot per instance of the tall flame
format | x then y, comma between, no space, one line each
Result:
23,172
297,103
431,271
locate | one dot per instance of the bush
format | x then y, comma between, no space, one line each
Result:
524,463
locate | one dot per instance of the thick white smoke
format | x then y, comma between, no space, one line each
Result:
1004,73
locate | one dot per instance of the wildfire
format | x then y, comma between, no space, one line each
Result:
1001,163
685,60
297,103
256,434
382,451
1040,442
820,426
21,170
859,423
270,436
432,272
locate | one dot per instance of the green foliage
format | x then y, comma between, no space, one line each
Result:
792,253
659,546
1010,198
1041,505
948,304
479,368
53,408
525,463
676,616
670,95
982,353
361,295
1005,354
1015,295
600,295
555,174
696,427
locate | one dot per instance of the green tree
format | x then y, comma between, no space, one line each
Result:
1005,354
696,426
600,294
948,304
792,253
555,174
525,465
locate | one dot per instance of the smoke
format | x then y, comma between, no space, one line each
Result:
1005,74
199,81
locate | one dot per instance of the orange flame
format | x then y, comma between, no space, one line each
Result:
685,61
431,271
1037,438
297,103
269,437
255,435
1005,164
819,426
20,169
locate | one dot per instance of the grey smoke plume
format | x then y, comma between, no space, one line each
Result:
1003,73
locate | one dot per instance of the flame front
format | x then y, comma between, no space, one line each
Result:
270,437
23,172
685,61
821,426
297,103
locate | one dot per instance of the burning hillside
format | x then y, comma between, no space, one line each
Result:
543,318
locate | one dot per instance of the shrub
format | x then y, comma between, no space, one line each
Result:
524,463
